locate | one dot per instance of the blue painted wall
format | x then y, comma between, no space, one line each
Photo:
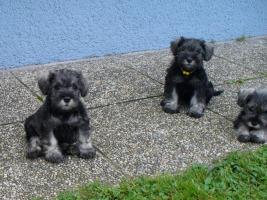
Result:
42,31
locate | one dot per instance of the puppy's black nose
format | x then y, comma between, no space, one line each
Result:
66,99
189,60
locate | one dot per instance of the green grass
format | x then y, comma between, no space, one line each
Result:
241,175
212,41
40,98
241,81
241,38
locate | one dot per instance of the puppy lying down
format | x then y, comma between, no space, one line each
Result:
251,123
61,125
186,80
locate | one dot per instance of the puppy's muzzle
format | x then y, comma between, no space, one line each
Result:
188,65
66,99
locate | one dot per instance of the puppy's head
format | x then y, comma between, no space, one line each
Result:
190,53
64,88
254,104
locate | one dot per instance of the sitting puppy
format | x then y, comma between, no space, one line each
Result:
61,124
251,123
186,79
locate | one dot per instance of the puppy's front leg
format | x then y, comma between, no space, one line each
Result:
51,149
170,102
85,146
34,148
242,133
197,104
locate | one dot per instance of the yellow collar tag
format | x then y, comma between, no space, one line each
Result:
185,73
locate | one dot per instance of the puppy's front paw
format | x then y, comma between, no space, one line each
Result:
33,153
54,156
87,153
169,110
170,107
196,111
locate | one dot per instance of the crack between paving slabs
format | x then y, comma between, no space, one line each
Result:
237,81
123,102
12,123
217,113
230,61
39,98
235,63
143,74
116,166
96,107
249,78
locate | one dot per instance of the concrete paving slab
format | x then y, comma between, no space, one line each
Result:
222,71
251,53
109,80
226,103
16,102
151,63
21,178
144,140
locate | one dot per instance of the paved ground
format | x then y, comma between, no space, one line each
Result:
129,127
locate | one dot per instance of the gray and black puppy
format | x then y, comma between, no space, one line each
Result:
251,123
61,124
186,80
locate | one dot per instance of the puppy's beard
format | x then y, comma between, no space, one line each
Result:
67,106
257,126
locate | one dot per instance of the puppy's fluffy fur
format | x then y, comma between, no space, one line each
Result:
186,80
61,125
251,123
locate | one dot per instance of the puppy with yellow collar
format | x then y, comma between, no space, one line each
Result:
186,80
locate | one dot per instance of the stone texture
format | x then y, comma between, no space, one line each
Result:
16,101
24,179
222,71
251,53
145,140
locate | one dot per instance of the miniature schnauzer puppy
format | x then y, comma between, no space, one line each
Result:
61,124
251,123
186,80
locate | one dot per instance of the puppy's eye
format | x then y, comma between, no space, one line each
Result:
75,87
251,109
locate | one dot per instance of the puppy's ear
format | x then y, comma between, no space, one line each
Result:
175,44
83,85
44,81
208,50
244,95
